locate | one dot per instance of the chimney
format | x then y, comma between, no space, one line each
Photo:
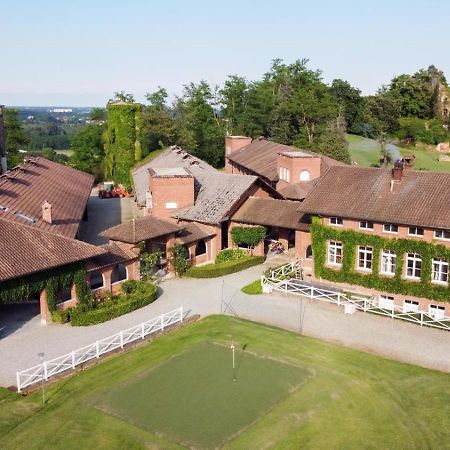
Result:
47,212
397,171
3,163
235,143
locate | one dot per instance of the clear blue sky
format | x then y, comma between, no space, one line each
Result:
79,52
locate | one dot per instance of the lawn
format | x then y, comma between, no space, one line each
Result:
290,392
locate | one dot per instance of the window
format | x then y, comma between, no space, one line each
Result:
365,258
442,234
171,205
438,312
284,174
413,266
440,271
390,228
200,248
64,295
386,302
415,231
309,252
304,175
335,253
96,280
119,273
410,306
388,262
337,221
365,225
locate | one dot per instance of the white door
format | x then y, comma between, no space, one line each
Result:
438,312
386,302
410,306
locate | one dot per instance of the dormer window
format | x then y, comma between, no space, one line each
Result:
304,175
284,174
336,221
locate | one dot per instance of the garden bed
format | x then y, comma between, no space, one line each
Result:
220,269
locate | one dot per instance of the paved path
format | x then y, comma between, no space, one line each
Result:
392,338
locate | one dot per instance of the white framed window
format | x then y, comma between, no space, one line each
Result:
304,175
365,258
439,273
336,221
386,302
410,306
171,205
415,231
365,225
442,234
413,266
284,174
390,228
388,262
438,312
335,253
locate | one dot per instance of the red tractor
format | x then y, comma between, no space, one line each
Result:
108,189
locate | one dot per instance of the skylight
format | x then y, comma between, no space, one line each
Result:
25,217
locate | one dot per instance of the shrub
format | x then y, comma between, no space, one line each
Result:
225,268
178,256
61,315
249,236
136,294
254,288
230,254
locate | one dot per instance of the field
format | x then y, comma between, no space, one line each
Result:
366,152
290,392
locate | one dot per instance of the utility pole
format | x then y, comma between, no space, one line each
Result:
3,162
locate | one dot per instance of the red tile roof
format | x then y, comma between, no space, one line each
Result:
26,249
421,198
24,189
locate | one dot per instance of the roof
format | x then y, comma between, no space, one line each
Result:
169,172
26,187
26,250
298,191
215,192
115,253
261,157
192,232
141,229
420,199
271,212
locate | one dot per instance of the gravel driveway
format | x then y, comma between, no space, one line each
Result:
391,338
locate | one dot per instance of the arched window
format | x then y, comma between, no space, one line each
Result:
119,273
304,175
96,280
309,252
200,248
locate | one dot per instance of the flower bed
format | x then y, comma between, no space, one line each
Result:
224,268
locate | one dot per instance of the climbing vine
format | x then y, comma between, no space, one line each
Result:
122,141
396,284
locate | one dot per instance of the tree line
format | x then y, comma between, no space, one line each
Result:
290,104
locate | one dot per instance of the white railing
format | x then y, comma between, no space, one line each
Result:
361,303
285,270
52,367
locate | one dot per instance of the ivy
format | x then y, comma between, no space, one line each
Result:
178,257
249,236
396,284
122,141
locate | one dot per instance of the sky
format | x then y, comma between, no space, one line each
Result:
80,52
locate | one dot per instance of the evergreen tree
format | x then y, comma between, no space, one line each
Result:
333,142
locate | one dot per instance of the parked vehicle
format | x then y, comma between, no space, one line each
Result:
108,189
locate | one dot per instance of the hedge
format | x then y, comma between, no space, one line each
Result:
136,295
225,268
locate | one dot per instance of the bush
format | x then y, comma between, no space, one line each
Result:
254,288
225,268
61,316
249,236
230,254
136,294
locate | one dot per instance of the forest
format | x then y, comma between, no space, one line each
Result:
290,104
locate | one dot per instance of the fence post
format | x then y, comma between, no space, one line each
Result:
339,299
121,339
162,322
97,349
421,318
181,314
44,365
142,330
311,294
18,381
392,312
73,359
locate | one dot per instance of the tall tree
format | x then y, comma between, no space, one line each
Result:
333,142
15,136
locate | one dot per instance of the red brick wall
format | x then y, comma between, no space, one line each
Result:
177,190
295,167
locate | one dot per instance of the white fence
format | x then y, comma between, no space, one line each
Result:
276,281
71,360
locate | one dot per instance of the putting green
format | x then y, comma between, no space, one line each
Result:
193,400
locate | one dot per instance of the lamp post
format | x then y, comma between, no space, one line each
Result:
41,357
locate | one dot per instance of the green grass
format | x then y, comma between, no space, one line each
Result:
254,288
193,399
366,152
349,399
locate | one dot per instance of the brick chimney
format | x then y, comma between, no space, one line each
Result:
3,163
235,143
47,212
397,171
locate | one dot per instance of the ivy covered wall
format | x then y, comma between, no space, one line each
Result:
122,141
351,239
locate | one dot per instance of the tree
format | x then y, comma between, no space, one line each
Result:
87,146
122,96
98,114
15,136
333,142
